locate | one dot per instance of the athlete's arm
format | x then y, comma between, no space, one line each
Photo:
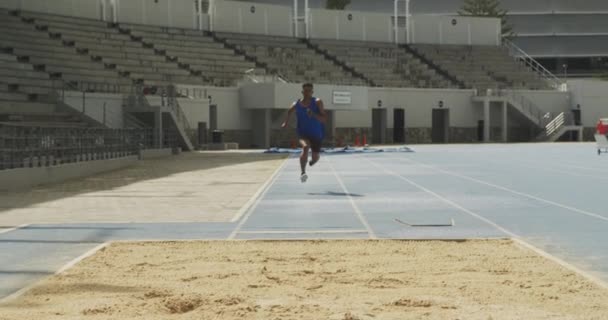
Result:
291,110
322,116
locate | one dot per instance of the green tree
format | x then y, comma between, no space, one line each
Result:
337,4
488,8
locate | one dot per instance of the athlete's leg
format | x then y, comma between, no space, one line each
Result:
304,155
315,146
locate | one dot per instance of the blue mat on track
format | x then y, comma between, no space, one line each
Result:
344,150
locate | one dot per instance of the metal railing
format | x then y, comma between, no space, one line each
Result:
30,146
252,76
555,124
519,54
523,104
73,96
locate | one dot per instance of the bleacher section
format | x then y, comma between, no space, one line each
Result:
31,41
482,67
384,64
292,59
114,50
195,52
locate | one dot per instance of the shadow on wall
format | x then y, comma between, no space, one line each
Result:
142,171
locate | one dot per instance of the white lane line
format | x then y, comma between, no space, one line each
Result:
255,204
21,226
434,194
562,263
539,166
358,212
337,231
513,236
250,202
82,257
523,194
67,266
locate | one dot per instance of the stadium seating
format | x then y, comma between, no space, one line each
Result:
292,59
482,67
115,50
385,64
32,41
199,53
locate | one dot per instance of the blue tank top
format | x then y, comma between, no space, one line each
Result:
309,126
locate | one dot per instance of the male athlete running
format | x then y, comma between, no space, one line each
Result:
310,114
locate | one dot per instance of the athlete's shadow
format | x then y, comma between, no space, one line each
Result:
335,194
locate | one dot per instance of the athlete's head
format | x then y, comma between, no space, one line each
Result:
307,90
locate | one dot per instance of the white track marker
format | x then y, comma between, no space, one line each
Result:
512,235
69,265
451,224
14,228
364,222
304,232
250,202
257,201
587,213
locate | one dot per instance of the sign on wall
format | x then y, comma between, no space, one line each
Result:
342,97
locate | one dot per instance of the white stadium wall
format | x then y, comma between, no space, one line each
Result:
455,30
418,105
592,96
90,9
242,17
166,13
352,25
277,20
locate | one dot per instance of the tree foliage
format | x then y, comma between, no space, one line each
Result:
488,8
337,4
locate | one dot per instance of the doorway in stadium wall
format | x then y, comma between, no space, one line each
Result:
398,125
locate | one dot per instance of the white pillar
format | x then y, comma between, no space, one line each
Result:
407,21
306,18
486,120
364,34
169,15
265,21
103,10
505,122
240,17
337,27
212,12
396,21
295,18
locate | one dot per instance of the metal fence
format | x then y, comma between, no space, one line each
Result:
28,146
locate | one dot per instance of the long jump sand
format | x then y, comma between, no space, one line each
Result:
190,187
314,280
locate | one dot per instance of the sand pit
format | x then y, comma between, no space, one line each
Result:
314,280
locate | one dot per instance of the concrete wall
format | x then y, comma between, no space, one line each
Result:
549,101
90,9
105,108
230,115
352,25
154,153
282,96
592,95
166,13
16,179
234,16
419,103
455,30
